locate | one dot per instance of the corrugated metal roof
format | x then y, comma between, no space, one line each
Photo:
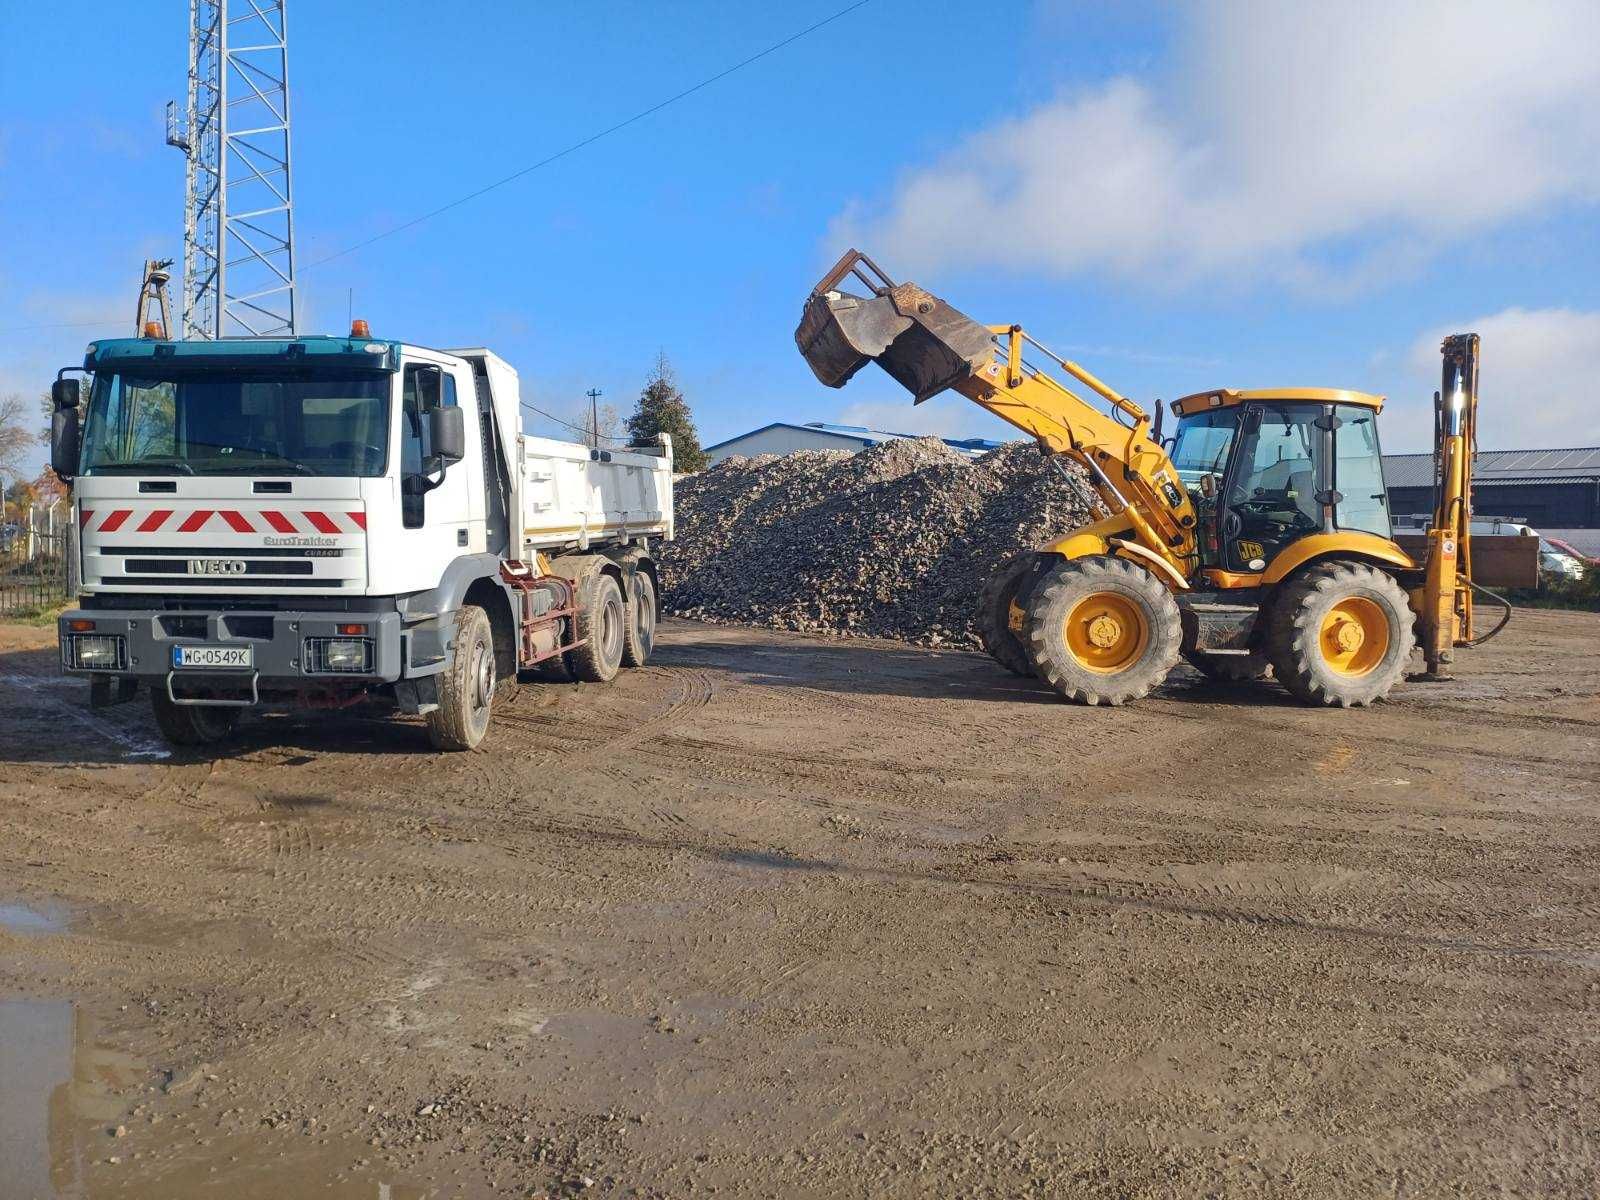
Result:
1578,465
862,435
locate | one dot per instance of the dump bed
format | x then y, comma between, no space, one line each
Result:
574,496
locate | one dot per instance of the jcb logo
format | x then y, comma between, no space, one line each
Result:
1251,550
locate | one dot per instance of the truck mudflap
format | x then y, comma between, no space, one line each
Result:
232,658
923,343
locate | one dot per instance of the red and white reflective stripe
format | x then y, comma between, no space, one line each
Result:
311,520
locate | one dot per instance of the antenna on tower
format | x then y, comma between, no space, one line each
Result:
238,217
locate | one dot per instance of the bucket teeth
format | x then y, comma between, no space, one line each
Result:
923,343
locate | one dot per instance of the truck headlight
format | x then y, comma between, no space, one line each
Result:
95,652
347,656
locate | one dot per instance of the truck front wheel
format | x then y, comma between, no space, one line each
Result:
466,686
191,724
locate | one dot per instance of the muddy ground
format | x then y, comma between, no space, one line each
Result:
780,916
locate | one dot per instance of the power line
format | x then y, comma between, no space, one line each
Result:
583,429
543,162
592,138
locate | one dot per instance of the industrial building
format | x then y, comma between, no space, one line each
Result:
782,437
1555,491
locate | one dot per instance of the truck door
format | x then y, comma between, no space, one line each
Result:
436,510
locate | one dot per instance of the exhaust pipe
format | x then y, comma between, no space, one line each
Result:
924,344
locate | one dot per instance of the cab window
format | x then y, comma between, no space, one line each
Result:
1201,445
1273,495
421,391
1358,472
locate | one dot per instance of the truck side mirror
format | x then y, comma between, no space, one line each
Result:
447,432
64,436
64,393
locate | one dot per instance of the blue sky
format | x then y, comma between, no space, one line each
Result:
1179,196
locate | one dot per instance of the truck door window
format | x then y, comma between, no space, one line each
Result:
421,391
1273,493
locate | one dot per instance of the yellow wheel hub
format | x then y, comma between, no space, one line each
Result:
1106,632
1355,635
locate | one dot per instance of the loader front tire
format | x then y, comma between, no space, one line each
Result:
466,685
602,619
1102,630
1340,635
999,640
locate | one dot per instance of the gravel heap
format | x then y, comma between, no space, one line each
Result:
894,541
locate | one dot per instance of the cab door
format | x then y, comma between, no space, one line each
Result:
433,522
1277,483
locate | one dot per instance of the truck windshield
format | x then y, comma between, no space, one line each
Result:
264,422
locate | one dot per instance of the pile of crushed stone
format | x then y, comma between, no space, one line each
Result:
894,541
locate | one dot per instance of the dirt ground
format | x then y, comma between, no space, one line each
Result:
779,916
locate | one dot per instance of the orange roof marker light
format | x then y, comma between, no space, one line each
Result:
152,329
359,328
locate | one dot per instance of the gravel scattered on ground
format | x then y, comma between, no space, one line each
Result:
894,541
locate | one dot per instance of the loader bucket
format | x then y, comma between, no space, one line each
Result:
923,343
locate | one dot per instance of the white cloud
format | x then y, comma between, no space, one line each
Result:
1534,382
1322,145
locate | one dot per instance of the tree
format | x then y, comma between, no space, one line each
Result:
662,409
610,424
18,435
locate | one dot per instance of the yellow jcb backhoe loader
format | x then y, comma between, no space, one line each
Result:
1257,537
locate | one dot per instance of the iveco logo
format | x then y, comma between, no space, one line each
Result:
216,566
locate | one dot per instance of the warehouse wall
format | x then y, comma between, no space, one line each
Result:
1557,505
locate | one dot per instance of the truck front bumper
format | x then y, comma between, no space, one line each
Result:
255,652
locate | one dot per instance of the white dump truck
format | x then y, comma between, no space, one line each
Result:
320,521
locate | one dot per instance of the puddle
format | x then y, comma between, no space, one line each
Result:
61,1088
32,918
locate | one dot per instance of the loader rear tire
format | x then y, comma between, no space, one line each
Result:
1340,635
639,628
602,619
1229,668
999,640
1102,630
466,685
191,724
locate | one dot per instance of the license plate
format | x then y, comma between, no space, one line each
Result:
225,657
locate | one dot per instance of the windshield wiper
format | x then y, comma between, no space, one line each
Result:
263,466
151,467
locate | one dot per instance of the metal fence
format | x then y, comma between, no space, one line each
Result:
35,549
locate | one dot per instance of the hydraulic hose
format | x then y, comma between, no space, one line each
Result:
1495,598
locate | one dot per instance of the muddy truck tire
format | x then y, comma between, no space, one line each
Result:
466,686
191,724
602,619
639,626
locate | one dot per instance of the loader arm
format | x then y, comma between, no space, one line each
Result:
928,346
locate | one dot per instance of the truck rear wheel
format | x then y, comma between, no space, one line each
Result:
999,639
466,686
1102,631
602,619
639,629
1340,635
191,724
